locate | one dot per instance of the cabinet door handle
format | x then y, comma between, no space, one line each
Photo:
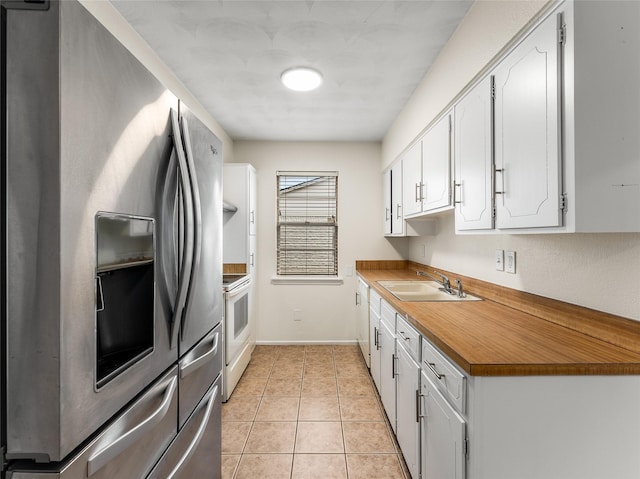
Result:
423,191
406,338
378,339
458,201
398,210
386,214
357,298
375,337
418,192
252,259
393,366
418,396
501,171
432,366
252,215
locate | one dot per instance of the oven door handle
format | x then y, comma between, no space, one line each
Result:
238,291
190,366
187,253
101,458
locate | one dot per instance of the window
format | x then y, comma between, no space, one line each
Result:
307,242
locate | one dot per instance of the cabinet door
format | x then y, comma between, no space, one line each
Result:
374,345
473,159
252,256
527,122
436,165
443,436
362,313
387,373
253,201
412,180
408,425
397,215
386,203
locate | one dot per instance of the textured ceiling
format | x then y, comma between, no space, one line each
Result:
230,54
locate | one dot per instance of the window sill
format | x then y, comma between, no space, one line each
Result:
330,280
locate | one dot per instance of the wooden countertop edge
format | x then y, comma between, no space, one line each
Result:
616,331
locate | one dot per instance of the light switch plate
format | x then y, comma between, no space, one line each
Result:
499,260
510,262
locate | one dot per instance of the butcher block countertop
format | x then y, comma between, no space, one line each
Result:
512,333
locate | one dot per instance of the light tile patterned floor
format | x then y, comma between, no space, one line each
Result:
304,412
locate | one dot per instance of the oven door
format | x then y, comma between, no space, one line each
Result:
237,329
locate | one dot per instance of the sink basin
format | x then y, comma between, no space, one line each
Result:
422,291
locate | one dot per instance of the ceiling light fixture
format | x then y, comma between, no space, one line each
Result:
301,79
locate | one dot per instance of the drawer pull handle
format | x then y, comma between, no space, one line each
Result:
432,366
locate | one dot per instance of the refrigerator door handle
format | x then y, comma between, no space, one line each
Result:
198,436
201,360
187,255
196,222
133,435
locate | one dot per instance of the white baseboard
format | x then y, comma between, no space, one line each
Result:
343,342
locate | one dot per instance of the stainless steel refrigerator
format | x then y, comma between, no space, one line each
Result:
112,259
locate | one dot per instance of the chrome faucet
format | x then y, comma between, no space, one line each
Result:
442,281
461,293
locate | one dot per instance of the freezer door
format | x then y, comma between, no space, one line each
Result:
130,446
88,131
204,307
198,369
195,453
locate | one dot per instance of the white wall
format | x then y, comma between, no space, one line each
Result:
107,14
328,311
599,271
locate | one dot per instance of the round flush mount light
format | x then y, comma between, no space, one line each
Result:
301,79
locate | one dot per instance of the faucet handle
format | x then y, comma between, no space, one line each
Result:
445,281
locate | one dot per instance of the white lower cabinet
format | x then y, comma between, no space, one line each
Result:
443,433
450,425
407,405
374,336
387,342
362,319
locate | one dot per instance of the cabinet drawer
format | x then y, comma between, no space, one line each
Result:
408,337
388,315
374,302
449,380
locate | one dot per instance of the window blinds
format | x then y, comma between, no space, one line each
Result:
307,242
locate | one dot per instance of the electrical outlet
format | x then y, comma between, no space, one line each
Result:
499,260
423,250
510,262
297,315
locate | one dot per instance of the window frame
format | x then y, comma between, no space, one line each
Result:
308,275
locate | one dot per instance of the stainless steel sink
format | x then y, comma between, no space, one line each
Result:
411,290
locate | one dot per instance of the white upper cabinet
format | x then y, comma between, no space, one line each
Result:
393,216
602,107
253,201
473,159
397,215
239,227
426,171
386,203
436,165
527,123
412,180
